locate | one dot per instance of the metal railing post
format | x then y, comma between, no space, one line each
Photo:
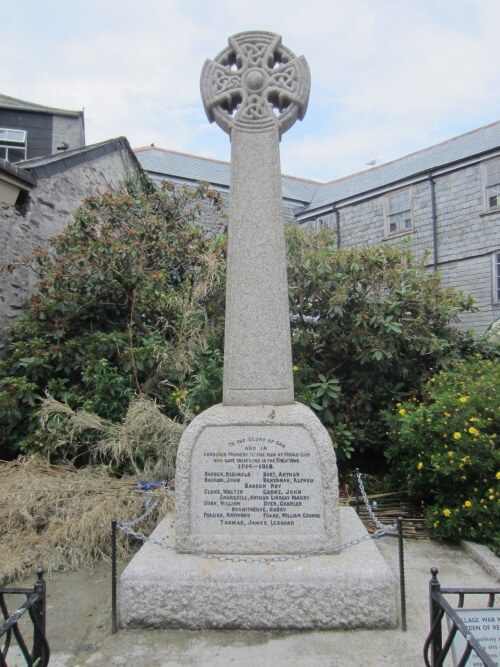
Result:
437,638
39,618
114,623
402,582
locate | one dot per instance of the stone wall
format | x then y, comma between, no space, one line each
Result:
50,207
467,235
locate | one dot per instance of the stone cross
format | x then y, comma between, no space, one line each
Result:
255,90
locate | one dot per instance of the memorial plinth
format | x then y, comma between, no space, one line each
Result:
256,477
353,589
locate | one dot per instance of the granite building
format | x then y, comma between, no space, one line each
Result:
444,201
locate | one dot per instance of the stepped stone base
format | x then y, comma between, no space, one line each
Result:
351,589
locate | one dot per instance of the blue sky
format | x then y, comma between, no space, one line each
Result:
388,76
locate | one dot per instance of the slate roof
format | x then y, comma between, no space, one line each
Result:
317,195
466,146
182,166
57,162
17,173
7,102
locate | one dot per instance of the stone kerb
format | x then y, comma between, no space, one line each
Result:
256,480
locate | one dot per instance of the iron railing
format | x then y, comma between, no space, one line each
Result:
35,605
435,649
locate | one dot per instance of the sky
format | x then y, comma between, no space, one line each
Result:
389,77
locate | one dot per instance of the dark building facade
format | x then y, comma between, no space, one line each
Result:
30,130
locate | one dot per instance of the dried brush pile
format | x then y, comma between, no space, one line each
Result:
144,443
59,517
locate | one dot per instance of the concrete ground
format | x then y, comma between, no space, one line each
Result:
79,622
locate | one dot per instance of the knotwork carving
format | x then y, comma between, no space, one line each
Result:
255,84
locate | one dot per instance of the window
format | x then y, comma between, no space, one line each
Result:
496,277
12,144
325,221
398,212
492,184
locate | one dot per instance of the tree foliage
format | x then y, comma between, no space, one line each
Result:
130,303
370,324
444,450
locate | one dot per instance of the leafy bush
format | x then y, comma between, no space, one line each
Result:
370,324
129,301
444,449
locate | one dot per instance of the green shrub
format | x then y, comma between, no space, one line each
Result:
370,324
444,450
129,301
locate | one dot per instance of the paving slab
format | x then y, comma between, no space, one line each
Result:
79,624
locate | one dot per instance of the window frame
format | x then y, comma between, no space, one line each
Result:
387,215
326,220
495,276
485,186
7,143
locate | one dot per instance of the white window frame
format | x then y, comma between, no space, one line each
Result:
491,185
327,220
388,215
13,139
495,275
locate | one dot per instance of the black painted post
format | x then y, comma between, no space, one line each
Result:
402,584
437,638
114,624
358,491
40,646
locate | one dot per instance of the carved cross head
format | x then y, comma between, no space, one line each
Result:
255,84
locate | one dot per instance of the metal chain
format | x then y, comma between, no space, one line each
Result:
367,502
128,526
251,559
150,508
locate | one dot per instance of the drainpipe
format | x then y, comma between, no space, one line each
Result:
337,225
433,222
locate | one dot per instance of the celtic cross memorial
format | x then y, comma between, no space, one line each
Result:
255,90
256,474
256,483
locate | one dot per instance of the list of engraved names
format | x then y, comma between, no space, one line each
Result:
258,482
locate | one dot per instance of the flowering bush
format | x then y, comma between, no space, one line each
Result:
445,451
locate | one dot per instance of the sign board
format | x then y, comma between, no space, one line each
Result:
484,625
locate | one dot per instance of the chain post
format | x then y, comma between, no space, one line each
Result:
402,583
114,624
358,477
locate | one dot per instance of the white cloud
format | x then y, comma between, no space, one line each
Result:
388,76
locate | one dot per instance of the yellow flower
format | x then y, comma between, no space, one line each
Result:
451,453
498,475
457,435
463,399
473,431
473,419
296,369
402,411
447,512
435,524
420,465
467,503
197,408
447,414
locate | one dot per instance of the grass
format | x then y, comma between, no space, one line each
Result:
59,517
